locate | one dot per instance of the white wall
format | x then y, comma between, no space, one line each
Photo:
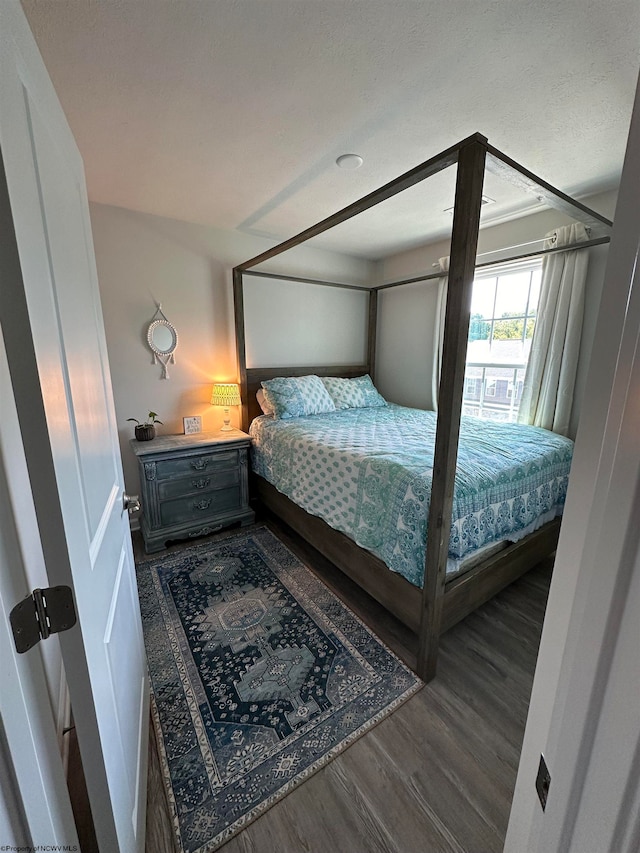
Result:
142,260
298,324
405,343
405,325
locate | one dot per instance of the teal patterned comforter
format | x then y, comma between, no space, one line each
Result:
367,472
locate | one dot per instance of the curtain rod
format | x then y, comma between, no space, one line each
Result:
598,241
518,246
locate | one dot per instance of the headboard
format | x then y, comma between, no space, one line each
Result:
251,377
256,375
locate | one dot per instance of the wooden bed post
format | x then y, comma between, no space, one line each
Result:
238,308
372,328
464,242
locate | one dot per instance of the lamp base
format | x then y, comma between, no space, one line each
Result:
226,426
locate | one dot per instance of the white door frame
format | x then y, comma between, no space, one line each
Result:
586,689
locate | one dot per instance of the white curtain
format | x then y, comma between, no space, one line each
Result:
547,396
438,331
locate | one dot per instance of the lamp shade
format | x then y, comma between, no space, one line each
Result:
225,394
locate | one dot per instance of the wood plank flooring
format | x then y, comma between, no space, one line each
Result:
437,776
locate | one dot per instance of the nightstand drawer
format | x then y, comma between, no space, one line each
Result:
199,507
200,464
218,478
192,485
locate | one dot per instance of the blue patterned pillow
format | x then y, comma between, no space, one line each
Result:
297,396
358,393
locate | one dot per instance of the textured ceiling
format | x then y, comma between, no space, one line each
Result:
232,112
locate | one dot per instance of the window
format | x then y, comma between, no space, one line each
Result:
472,388
503,316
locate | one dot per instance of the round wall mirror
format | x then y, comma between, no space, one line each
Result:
163,340
162,337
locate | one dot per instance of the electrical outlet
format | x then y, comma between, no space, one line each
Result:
543,782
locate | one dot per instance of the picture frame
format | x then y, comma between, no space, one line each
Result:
192,424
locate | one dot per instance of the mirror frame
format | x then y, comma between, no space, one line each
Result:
174,335
162,357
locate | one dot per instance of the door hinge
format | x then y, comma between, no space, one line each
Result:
44,612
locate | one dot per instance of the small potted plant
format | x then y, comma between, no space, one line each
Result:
147,430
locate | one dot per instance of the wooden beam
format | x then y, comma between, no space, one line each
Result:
504,167
473,588
238,308
414,280
324,282
463,594
464,243
372,329
408,179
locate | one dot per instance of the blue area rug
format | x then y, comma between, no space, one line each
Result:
260,676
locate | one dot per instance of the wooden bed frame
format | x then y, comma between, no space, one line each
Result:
462,594
440,603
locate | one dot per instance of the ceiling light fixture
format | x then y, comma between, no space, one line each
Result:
349,161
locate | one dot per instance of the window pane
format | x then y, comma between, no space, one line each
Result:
479,351
508,330
508,351
513,291
536,278
483,297
503,316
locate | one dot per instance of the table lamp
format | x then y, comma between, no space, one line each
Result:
225,394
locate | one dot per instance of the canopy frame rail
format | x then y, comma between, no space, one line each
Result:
321,281
403,182
474,156
504,167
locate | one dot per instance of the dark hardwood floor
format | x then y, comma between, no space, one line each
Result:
438,774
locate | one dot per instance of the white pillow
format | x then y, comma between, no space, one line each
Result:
267,408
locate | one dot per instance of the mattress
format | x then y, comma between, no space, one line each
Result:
368,472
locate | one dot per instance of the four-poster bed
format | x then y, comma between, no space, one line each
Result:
441,602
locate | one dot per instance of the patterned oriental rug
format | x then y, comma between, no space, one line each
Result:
260,676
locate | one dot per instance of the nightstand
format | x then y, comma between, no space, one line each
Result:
192,485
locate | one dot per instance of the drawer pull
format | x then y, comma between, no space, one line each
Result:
199,464
202,483
201,505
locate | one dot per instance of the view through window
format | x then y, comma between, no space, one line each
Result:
503,315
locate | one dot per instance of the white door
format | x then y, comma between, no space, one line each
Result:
585,706
34,801
54,338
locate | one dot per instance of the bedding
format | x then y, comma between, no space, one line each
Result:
367,472
357,393
297,396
